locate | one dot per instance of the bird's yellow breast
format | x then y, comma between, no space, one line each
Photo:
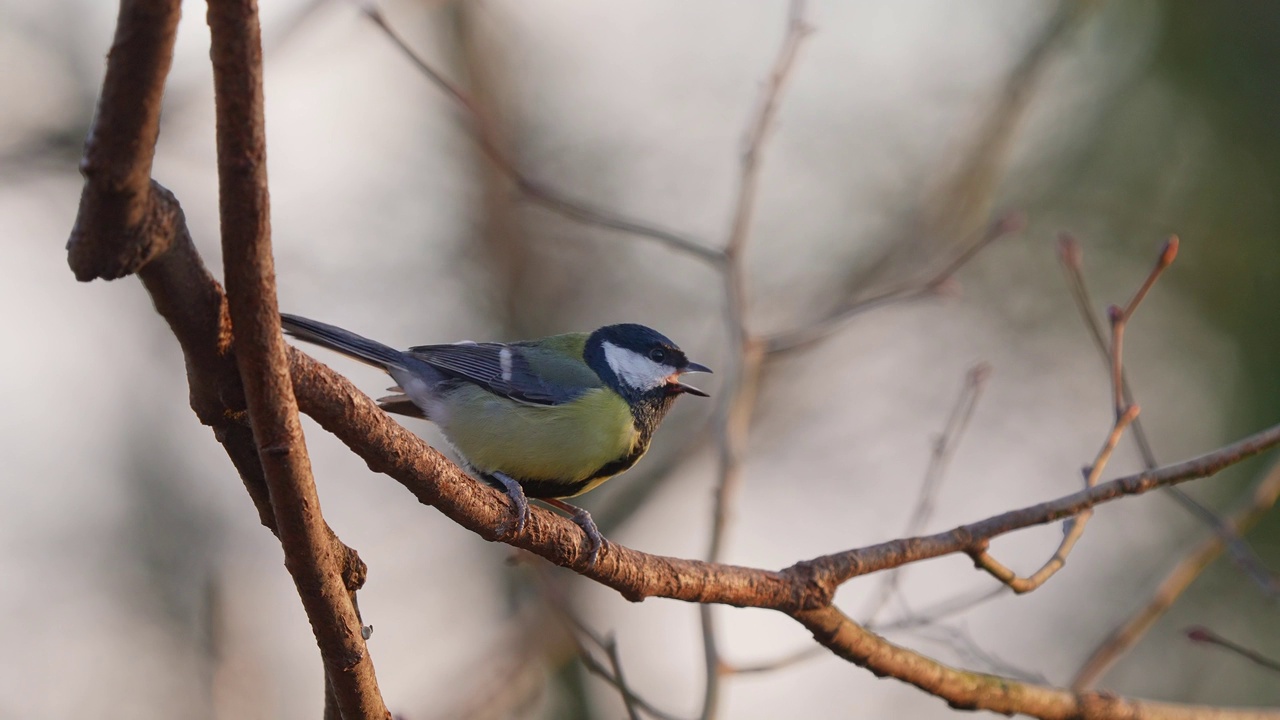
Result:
558,444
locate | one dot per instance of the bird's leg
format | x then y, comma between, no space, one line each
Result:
519,506
582,519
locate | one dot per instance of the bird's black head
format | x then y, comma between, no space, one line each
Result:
638,362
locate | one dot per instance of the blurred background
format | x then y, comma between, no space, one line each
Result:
142,585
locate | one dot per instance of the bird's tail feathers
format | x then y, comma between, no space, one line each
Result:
343,341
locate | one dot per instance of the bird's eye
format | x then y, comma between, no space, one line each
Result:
658,355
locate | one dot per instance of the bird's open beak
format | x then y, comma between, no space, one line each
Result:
675,387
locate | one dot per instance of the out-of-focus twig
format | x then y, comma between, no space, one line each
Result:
559,605
549,198
948,223
805,336
732,419
939,610
1119,641
1205,635
943,449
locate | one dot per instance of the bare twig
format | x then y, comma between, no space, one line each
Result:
264,369
1071,532
943,449
559,605
805,336
938,611
535,191
949,221
733,413
1126,413
962,642
795,658
1207,636
1124,637
1072,260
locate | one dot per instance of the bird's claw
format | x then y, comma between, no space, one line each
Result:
595,541
519,508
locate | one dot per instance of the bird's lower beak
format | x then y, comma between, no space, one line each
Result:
675,387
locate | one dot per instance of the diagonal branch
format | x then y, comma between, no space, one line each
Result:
387,447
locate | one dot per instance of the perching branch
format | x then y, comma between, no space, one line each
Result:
389,448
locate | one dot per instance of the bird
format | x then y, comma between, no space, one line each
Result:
548,419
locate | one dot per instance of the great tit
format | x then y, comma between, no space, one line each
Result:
547,419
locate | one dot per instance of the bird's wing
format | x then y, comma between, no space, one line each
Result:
508,370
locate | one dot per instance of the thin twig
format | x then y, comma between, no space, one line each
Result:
1073,529
1072,259
733,413
795,658
939,611
943,449
559,605
805,336
962,642
955,212
535,191
1205,635
1124,637
264,367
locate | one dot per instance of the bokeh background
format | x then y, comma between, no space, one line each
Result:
140,585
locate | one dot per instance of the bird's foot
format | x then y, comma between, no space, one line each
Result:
582,518
519,507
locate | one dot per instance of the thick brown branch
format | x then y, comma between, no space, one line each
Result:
260,352
121,225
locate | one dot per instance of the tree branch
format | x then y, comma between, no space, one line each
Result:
547,197
979,691
389,448
260,353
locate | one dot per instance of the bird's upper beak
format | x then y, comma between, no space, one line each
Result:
675,387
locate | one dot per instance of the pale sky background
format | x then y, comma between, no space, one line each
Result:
131,548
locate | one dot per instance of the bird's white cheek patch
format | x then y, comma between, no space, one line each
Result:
635,369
